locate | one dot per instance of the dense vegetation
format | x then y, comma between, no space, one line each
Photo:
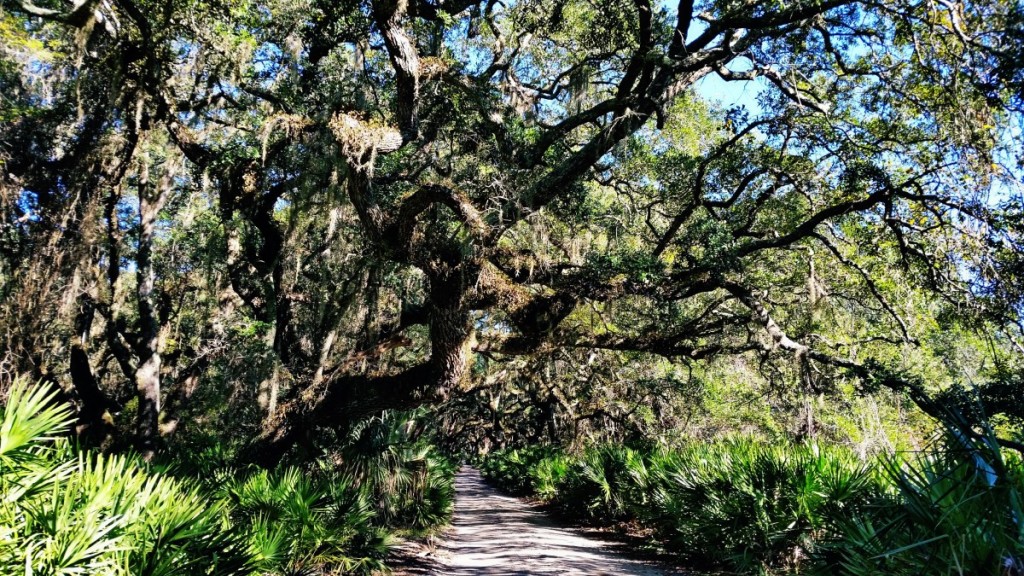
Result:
67,511
274,247
294,214
750,507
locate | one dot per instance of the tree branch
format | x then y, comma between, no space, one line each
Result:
388,15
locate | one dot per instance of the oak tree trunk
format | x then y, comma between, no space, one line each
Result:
147,374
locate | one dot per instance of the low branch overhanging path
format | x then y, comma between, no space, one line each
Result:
493,534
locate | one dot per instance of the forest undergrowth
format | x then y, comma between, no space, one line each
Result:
69,511
748,507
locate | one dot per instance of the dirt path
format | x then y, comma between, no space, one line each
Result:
492,534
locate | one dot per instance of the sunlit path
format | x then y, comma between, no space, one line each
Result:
493,534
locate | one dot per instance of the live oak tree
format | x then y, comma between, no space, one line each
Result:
362,205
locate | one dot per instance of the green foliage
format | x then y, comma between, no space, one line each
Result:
295,522
753,506
607,483
78,513
392,460
637,267
957,509
514,470
70,512
549,474
745,506
740,505
338,512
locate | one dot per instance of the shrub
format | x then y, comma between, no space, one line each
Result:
756,507
66,511
77,513
410,483
295,521
338,513
739,505
957,509
512,469
548,475
607,484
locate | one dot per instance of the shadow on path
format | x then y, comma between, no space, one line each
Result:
496,535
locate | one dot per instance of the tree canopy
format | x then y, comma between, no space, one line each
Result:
314,210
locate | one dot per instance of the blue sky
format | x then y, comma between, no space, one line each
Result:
729,94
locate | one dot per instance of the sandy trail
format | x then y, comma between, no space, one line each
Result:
492,535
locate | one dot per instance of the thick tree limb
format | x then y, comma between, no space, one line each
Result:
341,398
81,15
388,15
399,231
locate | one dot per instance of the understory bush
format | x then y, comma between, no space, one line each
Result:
67,511
64,512
957,509
296,522
752,506
411,484
342,511
524,471
757,508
